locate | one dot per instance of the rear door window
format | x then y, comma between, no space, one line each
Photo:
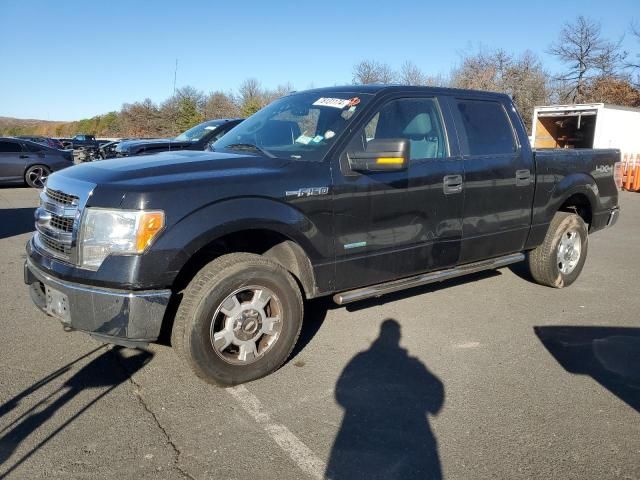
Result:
10,147
487,127
34,147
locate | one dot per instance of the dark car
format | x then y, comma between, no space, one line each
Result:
199,137
48,141
108,150
81,140
24,161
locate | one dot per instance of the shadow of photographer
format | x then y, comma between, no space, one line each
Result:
387,396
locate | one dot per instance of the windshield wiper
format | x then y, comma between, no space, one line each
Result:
249,146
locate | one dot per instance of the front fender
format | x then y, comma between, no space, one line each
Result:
199,228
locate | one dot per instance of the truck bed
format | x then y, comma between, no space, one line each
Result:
556,168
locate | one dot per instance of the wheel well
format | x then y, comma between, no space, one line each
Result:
579,204
268,243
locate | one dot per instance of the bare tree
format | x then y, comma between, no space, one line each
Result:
220,105
279,91
580,45
410,74
192,94
251,97
141,119
370,71
522,77
634,64
614,90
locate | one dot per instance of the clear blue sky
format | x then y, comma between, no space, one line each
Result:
70,59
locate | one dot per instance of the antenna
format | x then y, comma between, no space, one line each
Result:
175,75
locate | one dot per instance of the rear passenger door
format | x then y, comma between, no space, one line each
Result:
13,160
498,179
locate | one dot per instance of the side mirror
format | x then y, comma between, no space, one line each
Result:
381,155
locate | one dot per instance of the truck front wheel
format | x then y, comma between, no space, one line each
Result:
239,319
559,260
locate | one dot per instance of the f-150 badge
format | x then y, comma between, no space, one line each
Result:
307,192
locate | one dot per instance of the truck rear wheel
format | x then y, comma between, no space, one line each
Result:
239,319
559,260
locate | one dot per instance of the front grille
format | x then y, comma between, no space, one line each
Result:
62,198
56,235
61,223
54,246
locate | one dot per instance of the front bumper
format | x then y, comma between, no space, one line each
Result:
123,317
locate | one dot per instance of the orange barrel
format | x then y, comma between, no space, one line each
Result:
636,178
628,179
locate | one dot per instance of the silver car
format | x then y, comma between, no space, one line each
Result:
23,161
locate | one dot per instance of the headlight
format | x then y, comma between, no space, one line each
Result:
105,232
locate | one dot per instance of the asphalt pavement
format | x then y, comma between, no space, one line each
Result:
490,376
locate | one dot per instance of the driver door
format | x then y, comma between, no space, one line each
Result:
399,223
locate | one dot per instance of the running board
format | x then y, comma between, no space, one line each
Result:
425,278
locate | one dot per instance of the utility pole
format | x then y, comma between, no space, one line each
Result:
175,76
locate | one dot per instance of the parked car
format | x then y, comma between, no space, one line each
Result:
351,192
199,137
48,141
108,150
83,141
23,161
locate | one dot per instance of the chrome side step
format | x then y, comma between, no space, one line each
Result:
425,278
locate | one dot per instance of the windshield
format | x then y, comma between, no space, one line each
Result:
301,126
196,133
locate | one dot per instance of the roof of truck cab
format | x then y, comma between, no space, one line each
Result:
376,88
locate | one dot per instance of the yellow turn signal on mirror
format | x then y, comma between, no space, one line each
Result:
151,223
389,160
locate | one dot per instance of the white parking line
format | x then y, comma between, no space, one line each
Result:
302,455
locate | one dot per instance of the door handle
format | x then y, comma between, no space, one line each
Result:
452,184
523,178
24,156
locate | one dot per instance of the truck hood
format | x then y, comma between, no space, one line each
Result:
169,168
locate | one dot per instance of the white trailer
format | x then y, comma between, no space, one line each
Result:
589,125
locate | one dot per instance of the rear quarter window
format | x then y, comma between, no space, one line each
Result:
487,127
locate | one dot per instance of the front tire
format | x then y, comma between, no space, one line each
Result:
239,319
36,176
559,260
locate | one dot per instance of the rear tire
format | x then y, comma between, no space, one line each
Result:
239,319
559,260
36,176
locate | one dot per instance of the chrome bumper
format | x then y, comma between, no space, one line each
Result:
115,316
613,216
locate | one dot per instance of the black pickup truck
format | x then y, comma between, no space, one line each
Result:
82,141
352,192
199,137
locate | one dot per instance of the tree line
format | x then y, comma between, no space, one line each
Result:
596,69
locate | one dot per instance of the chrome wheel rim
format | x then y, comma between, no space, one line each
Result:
246,325
569,250
38,176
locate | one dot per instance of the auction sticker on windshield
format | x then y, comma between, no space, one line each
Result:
332,102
